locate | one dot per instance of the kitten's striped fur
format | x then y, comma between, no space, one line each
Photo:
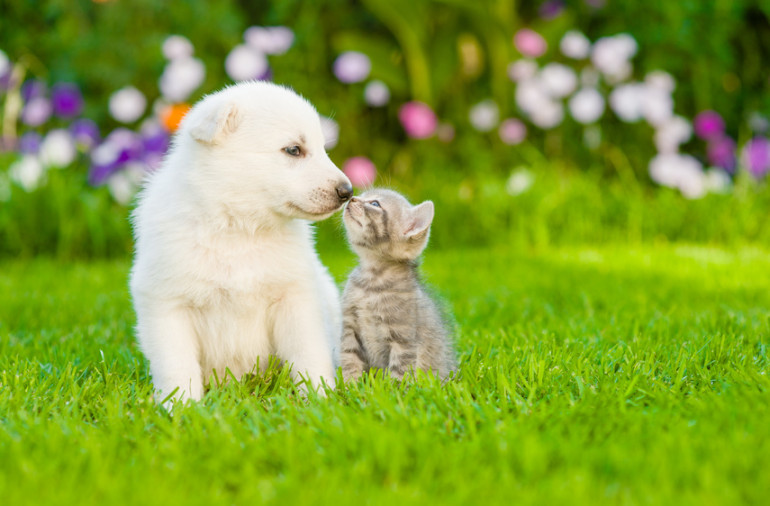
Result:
390,321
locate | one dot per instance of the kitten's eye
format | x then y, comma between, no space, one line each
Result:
293,150
375,203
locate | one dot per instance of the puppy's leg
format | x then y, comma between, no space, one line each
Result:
332,312
300,340
169,342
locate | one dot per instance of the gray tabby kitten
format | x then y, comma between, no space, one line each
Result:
390,321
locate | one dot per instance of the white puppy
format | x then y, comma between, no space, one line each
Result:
226,272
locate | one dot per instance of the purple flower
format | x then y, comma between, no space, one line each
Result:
267,75
6,80
419,120
709,125
152,161
352,67
29,143
36,112
85,132
32,89
721,153
155,139
120,147
756,156
551,9
67,100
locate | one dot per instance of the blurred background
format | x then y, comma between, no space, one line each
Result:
529,124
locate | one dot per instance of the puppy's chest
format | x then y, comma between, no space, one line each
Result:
240,279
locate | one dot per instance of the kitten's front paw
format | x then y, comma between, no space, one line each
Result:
351,375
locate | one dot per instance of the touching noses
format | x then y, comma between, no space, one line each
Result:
344,191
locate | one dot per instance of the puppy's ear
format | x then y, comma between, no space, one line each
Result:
215,123
420,218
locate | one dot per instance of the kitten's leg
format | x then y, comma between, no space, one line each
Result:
168,340
300,340
403,352
353,358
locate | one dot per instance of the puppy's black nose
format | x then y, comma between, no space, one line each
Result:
345,191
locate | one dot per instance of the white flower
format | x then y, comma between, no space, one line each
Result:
611,55
484,116
244,63
657,106
522,70
692,180
5,63
660,80
559,80
352,67
664,169
575,45
679,171
181,77
127,104
519,181
376,93
672,133
626,100
177,46
269,39
548,115
586,106
28,172
58,149
717,181
105,153
331,131
124,184
530,95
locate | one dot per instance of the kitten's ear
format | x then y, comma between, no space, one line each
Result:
215,122
420,218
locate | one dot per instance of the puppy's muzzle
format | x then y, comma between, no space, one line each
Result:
344,192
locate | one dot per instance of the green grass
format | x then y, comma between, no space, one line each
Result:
588,376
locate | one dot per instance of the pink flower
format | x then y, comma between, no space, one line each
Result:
418,119
756,156
512,131
360,170
709,125
530,43
721,153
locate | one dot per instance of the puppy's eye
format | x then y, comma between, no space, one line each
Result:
374,203
293,150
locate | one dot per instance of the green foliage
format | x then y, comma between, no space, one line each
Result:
416,47
64,218
69,220
588,376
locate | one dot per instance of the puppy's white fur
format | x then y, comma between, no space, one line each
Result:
226,271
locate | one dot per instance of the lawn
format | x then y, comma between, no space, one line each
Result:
588,376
